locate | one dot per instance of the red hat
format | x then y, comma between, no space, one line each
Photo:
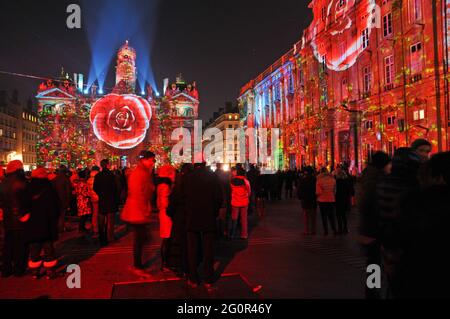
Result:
39,172
14,166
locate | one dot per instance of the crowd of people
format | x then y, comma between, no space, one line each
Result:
403,203
192,204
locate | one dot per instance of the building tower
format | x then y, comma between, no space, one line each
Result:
126,68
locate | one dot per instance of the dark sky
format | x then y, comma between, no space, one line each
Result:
220,44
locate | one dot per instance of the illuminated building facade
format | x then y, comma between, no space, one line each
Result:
78,127
18,130
367,75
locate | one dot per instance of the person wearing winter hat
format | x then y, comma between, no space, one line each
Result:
15,203
423,148
41,231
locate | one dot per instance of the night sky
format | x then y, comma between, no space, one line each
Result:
220,44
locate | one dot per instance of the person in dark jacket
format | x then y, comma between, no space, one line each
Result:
252,177
279,182
63,188
344,194
41,230
289,177
177,213
108,197
202,198
366,205
15,203
306,192
422,271
391,192
224,179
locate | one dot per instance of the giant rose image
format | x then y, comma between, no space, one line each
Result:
121,121
347,45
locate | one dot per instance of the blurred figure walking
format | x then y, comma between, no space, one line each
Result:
137,210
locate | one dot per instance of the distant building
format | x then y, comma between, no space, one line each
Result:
18,130
230,151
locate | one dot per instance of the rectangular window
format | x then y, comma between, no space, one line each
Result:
369,125
421,114
415,10
276,92
367,75
365,38
387,25
344,88
323,64
416,59
390,120
389,70
291,84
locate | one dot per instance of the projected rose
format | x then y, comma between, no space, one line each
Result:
121,121
347,46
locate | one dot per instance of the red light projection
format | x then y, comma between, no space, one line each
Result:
345,41
121,121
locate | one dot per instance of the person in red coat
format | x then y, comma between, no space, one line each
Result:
137,209
166,179
240,198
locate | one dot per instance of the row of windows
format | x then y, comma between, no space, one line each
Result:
29,159
29,117
29,148
30,137
418,115
10,134
8,122
7,133
7,145
416,63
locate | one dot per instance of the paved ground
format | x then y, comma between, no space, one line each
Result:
285,263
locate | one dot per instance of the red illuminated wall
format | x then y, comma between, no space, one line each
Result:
359,91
